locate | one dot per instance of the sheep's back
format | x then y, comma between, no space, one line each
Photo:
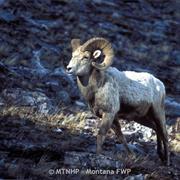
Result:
137,87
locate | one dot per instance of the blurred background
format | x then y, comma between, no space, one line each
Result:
45,123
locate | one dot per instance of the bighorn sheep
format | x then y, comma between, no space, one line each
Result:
112,94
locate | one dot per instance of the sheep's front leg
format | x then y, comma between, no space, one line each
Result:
117,129
106,123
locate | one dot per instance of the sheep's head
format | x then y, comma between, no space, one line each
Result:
85,56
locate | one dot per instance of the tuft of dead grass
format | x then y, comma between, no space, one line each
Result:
70,118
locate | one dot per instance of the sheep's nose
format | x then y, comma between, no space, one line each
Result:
69,69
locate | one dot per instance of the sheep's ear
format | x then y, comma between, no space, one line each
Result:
96,54
75,43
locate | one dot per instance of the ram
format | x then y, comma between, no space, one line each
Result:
112,94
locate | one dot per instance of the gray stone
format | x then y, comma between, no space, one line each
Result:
176,57
63,97
1,101
79,103
135,177
2,2
53,85
19,97
7,16
133,147
172,107
83,159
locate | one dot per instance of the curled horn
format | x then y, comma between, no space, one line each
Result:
103,45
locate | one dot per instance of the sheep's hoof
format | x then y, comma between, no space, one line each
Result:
166,162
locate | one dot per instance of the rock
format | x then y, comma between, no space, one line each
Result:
2,1
3,68
79,103
36,63
66,82
83,159
58,130
132,147
19,97
1,101
136,131
7,16
63,97
53,85
172,107
176,57
58,72
135,177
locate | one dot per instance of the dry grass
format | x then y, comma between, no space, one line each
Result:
73,119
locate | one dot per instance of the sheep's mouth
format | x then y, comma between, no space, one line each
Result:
70,73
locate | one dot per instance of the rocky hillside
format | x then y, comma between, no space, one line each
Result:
45,123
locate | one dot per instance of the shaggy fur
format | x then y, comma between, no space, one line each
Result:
112,94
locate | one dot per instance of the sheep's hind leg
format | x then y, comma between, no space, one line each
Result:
162,133
159,146
106,123
153,125
117,129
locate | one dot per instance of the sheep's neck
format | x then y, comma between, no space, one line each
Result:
84,80
89,84
91,79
